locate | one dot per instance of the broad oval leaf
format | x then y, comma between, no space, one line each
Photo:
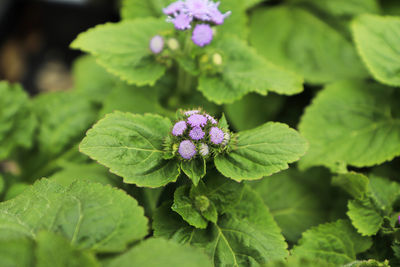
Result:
351,122
364,216
336,242
90,215
123,48
378,43
245,71
262,151
131,146
356,184
194,169
294,38
160,252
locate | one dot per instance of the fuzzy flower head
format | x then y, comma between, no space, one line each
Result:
197,134
184,13
156,44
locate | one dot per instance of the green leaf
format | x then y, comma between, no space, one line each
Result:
245,234
17,123
378,43
364,216
133,99
194,169
344,7
262,151
63,119
236,22
131,146
299,262
90,215
87,172
384,192
350,122
92,80
132,9
15,190
123,49
160,252
16,252
336,242
293,200
55,250
253,110
368,263
243,72
356,184
184,207
297,40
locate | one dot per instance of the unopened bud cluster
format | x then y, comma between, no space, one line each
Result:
197,134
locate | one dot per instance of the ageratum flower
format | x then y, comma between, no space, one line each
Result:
196,133
156,44
197,120
179,128
202,35
204,150
216,135
187,149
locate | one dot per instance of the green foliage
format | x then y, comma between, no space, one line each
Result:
293,200
296,39
17,124
378,43
244,72
361,131
160,252
262,151
131,146
364,216
356,184
336,242
195,169
83,212
132,9
123,49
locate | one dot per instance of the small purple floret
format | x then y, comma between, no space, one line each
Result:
156,44
198,8
187,149
216,135
174,8
182,21
202,35
211,119
216,16
197,120
179,128
196,133
191,112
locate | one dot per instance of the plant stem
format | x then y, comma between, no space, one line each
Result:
184,78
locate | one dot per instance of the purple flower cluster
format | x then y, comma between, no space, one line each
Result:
198,133
183,13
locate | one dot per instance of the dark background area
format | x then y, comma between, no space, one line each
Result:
35,37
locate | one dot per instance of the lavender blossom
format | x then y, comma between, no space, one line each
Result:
216,16
197,120
179,128
156,44
191,112
174,8
196,133
202,35
182,21
211,119
216,135
198,8
204,150
187,149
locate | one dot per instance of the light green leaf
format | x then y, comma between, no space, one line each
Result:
16,252
17,123
293,200
245,235
384,192
55,250
356,184
253,110
92,80
87,172
244,71
123,49
364,216
368,263
15,190
296,39
85,213
236,22
183,205
194,169
350,122
132,9
336,242
378,43
262,151
160,252
131,146
63,119
133,99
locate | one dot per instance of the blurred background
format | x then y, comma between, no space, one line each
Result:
35,37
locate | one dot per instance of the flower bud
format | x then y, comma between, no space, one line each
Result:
217,59
173,44
201,203
156,44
